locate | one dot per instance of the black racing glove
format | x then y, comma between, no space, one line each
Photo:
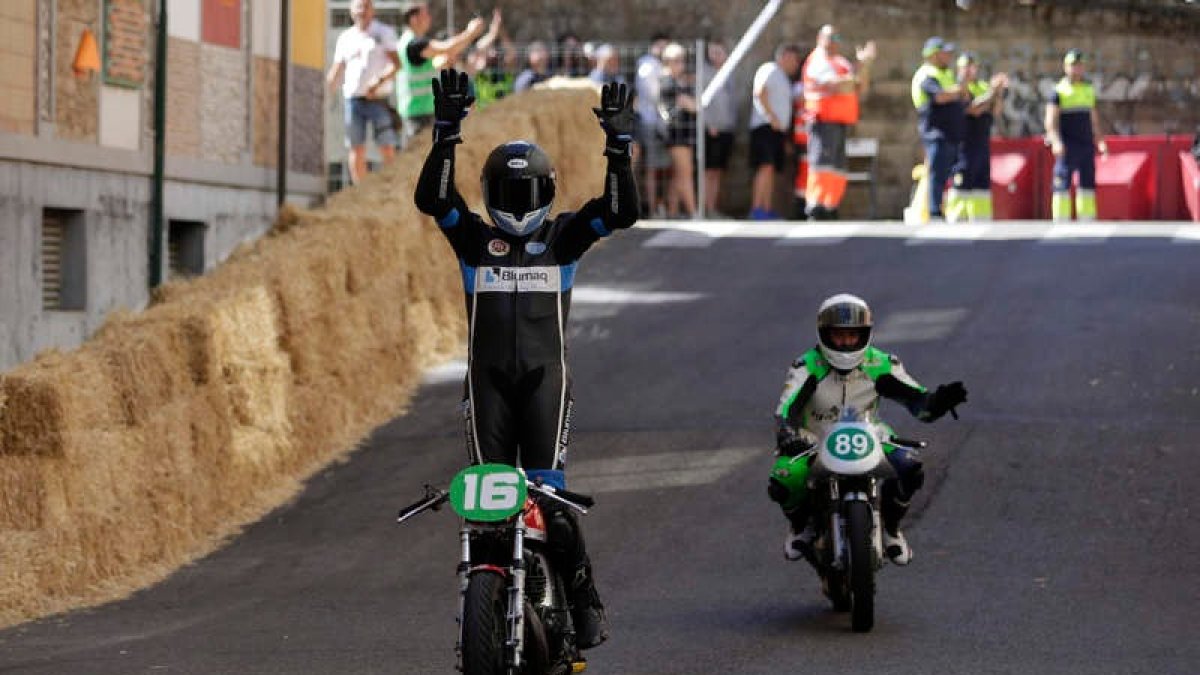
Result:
791,444
616,118
451,99
945,399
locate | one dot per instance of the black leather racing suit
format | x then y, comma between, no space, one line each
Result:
518,294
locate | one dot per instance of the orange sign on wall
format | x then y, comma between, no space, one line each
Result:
221,22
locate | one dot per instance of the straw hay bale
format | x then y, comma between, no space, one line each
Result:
170,429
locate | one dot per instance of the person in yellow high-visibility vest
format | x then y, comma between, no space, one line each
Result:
970,194
1073,131
940,102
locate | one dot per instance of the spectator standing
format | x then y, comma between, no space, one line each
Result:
537,68
769,125
364,61
799,149
490,66
417,52
720,118
679,108
652,124
1073,130
570,60
608,66
940,105
832,87
970,194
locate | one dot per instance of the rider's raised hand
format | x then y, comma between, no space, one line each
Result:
616,118
451,100
945,399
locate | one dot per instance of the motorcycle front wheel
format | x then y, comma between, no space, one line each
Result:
484,625
859,523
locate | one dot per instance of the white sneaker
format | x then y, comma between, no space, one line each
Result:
796,543
896,547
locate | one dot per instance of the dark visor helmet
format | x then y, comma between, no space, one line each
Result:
844,311
518,187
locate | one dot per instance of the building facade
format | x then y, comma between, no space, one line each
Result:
77,136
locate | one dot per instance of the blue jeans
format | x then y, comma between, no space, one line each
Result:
941,155
360,111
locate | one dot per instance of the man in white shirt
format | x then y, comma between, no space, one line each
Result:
365,61
770,123
652,128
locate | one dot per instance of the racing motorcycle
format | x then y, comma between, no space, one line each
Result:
513,616
845,477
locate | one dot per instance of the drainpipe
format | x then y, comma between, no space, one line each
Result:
160,130
284,66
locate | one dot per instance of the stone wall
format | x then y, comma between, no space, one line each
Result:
76,100
265,109
224,108
18,21
306,122
183,98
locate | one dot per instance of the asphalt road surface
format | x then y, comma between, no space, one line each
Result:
1056,533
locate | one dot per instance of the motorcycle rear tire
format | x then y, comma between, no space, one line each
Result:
484,625
859,523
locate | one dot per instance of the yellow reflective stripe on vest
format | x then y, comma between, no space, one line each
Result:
414,83
978,88
944,77
1072,96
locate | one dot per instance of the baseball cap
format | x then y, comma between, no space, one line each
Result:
936,44
966,58
1074,56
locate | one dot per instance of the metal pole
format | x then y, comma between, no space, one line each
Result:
740,50
450,17
701,135
160,132
285,32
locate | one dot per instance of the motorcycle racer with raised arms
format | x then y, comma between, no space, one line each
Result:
845,371
518,268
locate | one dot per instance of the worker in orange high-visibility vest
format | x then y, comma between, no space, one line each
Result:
800,145
832,88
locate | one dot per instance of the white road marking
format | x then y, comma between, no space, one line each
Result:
918,325
700,234
662,470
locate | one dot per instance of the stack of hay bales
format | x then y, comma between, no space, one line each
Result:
170,429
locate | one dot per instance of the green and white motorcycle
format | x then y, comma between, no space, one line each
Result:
845,478
513,616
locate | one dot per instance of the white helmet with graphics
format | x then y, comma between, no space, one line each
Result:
844,330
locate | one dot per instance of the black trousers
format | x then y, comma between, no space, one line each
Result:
521,418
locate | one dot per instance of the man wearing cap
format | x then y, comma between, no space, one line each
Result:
970,194
1073,131
832,87
940,103
417,52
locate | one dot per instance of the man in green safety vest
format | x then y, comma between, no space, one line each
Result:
970,194
414,82
1073,131
940,102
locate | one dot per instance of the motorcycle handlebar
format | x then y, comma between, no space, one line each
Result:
575,500
908,443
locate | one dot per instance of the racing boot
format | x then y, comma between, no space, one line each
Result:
800,537
587,612
895,546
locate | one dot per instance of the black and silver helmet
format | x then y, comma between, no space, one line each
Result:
844,311
518,187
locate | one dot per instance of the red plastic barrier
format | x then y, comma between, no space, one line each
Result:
1026,161
1190,184
1012,186
1125,186
1171,190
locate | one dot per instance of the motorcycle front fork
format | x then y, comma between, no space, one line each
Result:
837,523
515,614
